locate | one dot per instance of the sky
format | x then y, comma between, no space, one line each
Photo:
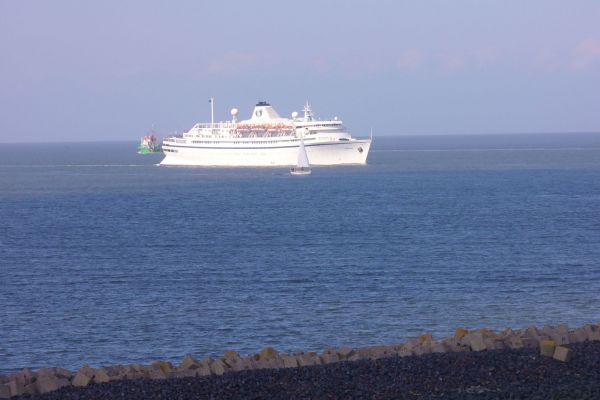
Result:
110,70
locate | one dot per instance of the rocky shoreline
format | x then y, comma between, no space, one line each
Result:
549,362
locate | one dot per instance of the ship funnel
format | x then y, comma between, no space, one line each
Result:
264,116
263,111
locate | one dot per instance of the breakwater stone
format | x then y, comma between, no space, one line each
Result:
268,353
308,359
492,374
547,347
474,340
218,367
289,361
189,362
50,383
562,353
4,391
84,376
557,344
460,333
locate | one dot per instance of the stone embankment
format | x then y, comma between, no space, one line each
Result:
555,343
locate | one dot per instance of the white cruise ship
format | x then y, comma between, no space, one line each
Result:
264,140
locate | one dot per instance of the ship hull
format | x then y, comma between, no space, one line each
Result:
329,153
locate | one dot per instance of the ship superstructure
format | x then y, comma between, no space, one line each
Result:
265,139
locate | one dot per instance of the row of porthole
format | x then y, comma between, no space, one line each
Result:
257,142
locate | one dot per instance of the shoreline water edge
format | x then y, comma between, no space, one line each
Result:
557,343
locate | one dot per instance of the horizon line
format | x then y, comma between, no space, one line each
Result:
375,135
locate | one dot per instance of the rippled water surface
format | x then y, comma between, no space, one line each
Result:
106,258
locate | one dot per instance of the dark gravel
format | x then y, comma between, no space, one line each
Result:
500,374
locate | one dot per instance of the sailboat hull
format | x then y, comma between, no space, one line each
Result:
297,172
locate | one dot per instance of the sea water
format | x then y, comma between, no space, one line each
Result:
106,258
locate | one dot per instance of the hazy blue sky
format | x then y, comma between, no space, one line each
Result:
108,70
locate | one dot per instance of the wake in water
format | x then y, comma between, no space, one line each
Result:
74,165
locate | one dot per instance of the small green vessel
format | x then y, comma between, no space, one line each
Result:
149,145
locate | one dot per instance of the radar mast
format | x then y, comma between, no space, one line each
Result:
308,114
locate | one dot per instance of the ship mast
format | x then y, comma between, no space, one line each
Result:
308,115
212,113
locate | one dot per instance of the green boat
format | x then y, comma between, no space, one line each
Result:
149,145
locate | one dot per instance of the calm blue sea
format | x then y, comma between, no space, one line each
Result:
106,258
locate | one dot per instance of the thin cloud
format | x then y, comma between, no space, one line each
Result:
448,62
586,55
232,63
485,56
547,60
411,60
454,63
321,65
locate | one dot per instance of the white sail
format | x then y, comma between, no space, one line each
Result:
303,167
302,157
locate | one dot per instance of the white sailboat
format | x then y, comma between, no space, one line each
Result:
303,167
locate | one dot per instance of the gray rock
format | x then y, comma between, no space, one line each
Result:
547,347
17,387
53,372
230,354
562,353
268,353
344,352
560,333
308,359
156,372
48,383
474,340
289,361
513,341
4,391
423,348
218,367
328,358
189,362
184,373
101,376
166,366
405,352
241,364
592,332
24,376
135,371
81,379
439,347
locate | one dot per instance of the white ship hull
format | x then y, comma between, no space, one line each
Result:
265,140
325,153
